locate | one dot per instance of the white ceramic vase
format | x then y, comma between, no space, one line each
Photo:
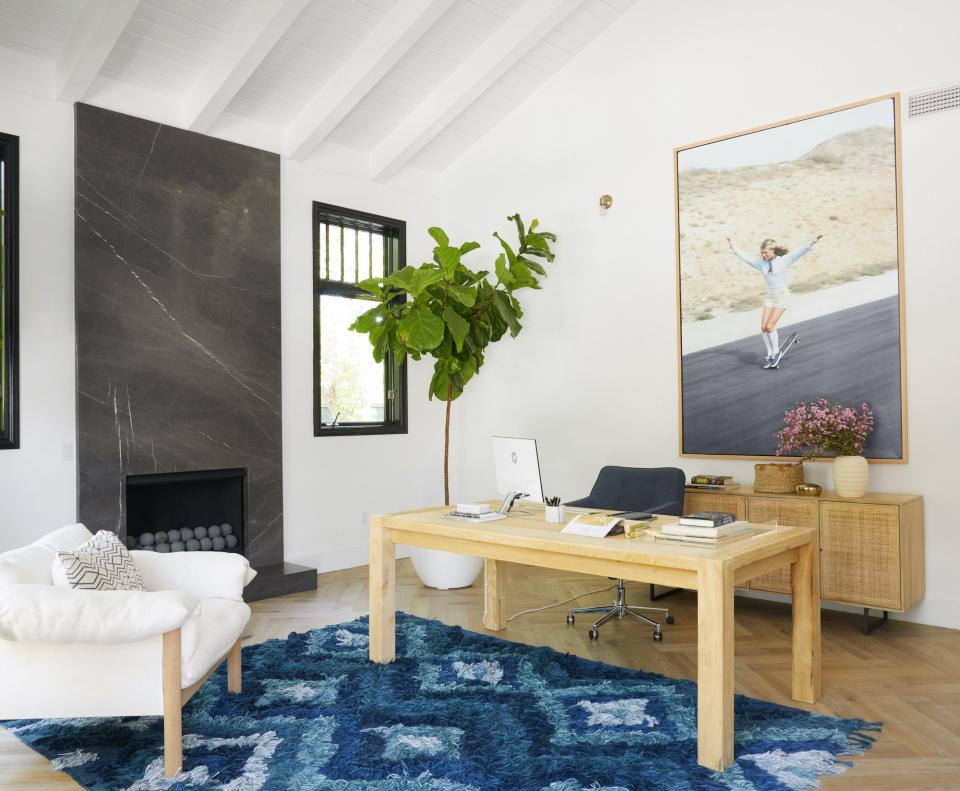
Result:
850,475
444,570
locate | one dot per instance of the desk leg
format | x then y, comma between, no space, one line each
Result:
715,665
383,585
805,573
494,617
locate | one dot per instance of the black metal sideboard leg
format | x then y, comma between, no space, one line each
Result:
869,627
654,596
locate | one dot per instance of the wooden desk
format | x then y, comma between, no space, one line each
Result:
712,572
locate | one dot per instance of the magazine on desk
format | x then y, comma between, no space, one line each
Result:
595,525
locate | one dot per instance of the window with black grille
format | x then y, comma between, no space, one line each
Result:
9,362
352,393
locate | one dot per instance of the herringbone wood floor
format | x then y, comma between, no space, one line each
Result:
904,674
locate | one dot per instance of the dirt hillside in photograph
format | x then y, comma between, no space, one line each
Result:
844,188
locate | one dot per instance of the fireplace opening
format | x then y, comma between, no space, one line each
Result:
203,511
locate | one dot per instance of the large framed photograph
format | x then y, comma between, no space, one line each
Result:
790,279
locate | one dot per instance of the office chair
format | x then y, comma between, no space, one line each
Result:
657,490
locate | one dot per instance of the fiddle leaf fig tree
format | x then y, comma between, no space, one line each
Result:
445,310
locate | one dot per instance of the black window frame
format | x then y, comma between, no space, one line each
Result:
10,154
395,373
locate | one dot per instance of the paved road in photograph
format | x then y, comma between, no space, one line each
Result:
732,405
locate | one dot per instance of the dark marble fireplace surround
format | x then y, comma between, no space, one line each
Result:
177,271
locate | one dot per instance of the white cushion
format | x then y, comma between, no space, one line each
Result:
207,575
32,564
101,564
45,614
65,538
29,565
219,624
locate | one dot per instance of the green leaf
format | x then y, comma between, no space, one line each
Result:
520,231
465,295
415,280
536,244
370,320
458,326
505,308
448,258
536,240
507,249
421,329
466,247
521,276
439,236
438,382
373,285
534,265
503,274
539,253
468,367
381,345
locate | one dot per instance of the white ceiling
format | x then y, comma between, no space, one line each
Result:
401,82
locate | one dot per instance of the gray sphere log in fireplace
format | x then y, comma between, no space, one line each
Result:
187,511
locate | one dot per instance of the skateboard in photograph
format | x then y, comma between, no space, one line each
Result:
794,338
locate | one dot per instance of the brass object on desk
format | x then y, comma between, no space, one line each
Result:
634,529
809,489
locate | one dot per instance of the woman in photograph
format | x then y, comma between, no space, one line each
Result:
773,263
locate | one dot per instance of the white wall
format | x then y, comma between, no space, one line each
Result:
38,489
332,484
594,374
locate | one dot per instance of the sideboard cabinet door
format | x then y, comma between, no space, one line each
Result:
787,511
860,554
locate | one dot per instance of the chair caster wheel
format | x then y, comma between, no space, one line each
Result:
658,637
570,618
670,619
594,634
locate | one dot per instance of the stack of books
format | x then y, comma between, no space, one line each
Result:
713,483
475,512
705,527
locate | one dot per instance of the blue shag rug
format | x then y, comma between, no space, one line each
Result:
457,711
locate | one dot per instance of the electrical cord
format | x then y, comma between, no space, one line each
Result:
559,603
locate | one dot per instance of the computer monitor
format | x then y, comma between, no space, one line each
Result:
518,467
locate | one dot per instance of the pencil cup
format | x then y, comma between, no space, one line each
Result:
554,514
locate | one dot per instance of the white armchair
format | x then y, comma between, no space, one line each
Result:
74,653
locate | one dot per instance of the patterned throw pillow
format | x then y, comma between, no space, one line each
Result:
100,564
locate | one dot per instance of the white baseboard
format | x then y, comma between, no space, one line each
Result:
341,558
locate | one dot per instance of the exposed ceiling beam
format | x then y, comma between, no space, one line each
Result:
256,34
26,73
399,30
519,33
91,42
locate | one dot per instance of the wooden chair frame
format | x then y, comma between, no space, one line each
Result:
175,698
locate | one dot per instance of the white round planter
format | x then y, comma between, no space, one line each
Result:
850,475
445,570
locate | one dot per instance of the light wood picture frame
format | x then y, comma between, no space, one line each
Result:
835,174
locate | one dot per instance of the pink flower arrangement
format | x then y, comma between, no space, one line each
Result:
820,428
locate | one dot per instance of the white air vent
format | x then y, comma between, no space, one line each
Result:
933,101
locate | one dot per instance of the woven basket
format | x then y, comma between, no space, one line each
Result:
777,478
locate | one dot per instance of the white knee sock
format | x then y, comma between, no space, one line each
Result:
766,343
774,340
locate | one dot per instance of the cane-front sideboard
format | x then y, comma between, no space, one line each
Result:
871,547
